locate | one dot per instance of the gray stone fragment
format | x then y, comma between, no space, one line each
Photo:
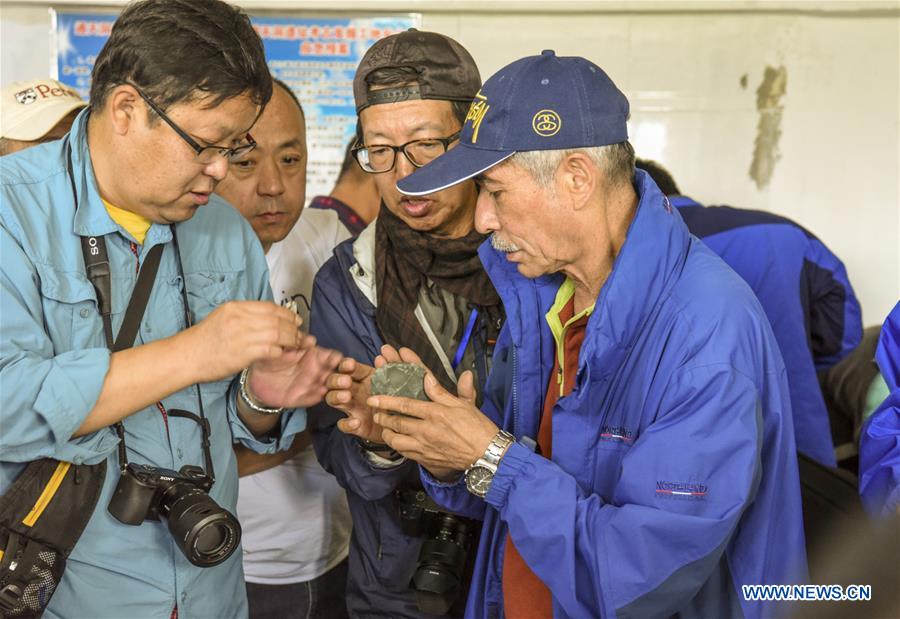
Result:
406,380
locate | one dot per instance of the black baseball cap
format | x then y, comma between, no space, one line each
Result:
544,102
446,71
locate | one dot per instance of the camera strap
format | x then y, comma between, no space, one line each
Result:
97,267
96,263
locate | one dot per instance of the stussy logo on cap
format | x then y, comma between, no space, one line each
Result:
476,114
546,123
26,97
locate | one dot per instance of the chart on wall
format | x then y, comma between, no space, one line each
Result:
316,57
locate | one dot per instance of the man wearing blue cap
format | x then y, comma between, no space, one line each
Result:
634,454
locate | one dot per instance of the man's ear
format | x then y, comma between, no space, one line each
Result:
123,108
578,178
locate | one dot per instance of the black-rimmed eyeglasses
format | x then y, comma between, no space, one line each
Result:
378,158
205,154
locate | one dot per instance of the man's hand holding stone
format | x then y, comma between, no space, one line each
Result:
445,435
348,390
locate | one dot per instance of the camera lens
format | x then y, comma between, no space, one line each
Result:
206,533
211,539
438,579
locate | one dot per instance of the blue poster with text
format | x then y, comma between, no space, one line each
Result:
315,57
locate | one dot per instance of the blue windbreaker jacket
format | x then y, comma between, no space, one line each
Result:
879,446
673,478
804,290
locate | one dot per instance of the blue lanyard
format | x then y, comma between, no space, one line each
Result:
464,342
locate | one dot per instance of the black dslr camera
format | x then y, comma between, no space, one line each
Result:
206,533
439,576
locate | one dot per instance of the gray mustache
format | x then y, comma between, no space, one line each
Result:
501,245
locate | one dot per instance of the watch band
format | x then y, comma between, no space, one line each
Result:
248,399
480,475
496,448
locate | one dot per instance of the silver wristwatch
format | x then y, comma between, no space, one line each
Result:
480,475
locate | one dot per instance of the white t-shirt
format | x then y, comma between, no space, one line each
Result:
295,520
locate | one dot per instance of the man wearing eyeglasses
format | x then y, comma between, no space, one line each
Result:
412,279
174,94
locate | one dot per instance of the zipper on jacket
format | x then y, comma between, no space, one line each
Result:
515,391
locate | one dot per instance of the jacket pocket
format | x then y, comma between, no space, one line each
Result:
398,554
207,290
615,432
71,315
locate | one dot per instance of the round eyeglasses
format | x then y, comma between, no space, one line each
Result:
378,158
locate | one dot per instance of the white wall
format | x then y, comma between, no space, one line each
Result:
691,71
840,144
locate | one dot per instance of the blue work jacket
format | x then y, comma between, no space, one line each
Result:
53,361
673,478
804,290
879,444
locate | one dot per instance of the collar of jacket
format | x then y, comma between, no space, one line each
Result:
646,268
356,259
364,272
92,218
680,201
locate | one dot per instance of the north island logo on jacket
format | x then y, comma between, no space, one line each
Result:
686,490
619,434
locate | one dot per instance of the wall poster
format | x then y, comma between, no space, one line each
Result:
316,57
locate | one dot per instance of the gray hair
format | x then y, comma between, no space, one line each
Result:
616,161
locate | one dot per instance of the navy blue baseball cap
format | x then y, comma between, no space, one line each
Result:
541,102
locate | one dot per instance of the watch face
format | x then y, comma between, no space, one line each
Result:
478,480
